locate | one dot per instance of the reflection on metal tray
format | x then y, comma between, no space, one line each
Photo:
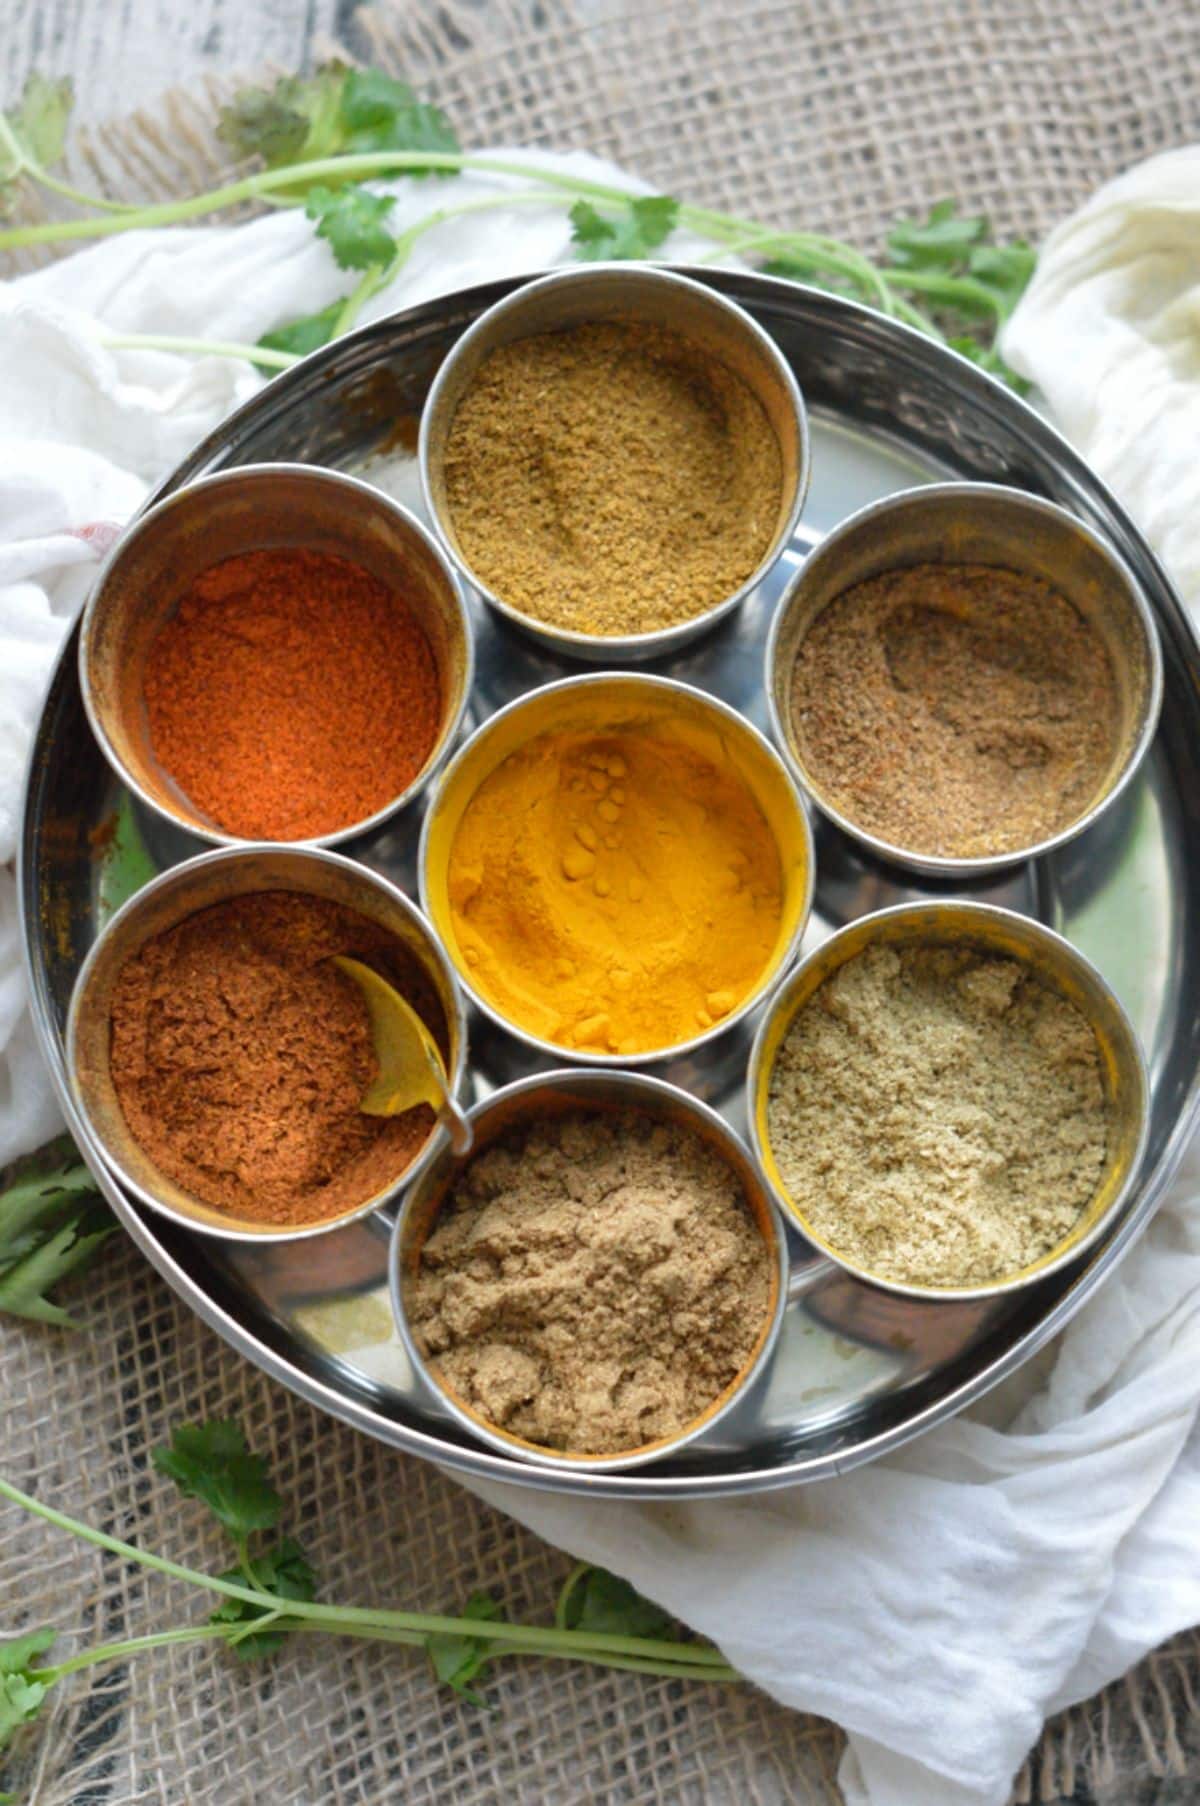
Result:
857,1371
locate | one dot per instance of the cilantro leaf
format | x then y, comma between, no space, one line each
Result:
1005,269
22,1686
306,334
24,1285
297,119
350,220
637,229
284,1571
35,130
338,111
594,1599
211,1462
379,113
457,1658
35,1202
943,240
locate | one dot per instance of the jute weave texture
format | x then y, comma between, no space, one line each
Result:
833,117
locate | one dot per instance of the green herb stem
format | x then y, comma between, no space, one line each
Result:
369,1622
165,341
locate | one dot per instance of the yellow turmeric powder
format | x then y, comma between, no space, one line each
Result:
614,892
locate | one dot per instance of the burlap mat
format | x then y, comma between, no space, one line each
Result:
833,117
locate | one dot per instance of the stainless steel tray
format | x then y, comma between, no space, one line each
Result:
857,1372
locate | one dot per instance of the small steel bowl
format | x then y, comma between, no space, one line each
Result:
1057,964
974,523
624,293
605,700
256,507
197,884
533,1100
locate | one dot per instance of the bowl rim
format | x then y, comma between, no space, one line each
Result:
658,642
687,1106
227,478
944,865
666,686
182,874
780,1005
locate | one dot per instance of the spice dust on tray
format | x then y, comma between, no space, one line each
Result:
240,1056
593,1283
291,694
956,710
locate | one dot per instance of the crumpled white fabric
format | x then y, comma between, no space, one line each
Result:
938,1604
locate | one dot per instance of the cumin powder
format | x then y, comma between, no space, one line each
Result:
594,1281
240,1056
611,479
956,710
937,1114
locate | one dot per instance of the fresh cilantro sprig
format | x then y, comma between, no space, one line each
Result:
316,140
635,230
270,1596
51,1224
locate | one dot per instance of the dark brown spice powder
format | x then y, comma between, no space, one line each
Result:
240,1056
956,710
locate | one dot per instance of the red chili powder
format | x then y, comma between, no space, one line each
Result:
291,694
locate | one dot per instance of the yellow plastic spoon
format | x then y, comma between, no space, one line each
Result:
410,1062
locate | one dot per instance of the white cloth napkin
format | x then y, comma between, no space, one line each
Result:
938,1604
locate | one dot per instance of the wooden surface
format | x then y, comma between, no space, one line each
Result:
122,53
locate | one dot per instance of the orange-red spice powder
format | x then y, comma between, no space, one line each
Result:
291,693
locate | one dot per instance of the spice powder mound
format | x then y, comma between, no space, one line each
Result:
240,1055
613,479
955,710
615,892
291,694
938,1115
593,1283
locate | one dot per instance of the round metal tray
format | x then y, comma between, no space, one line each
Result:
857,1371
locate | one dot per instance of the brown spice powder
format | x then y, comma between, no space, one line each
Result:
955,710
593,1283
937,1114
612,479
240,1056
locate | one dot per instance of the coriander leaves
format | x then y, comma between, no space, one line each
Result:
32,133
350,220
637,229
594,1599
282,1571
456,1659
51,1224
22,1686
335,113
211,1462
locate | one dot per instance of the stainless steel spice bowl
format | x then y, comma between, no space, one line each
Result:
604,701
622,293
1057,964
252,508
532,1100
975,523
211,878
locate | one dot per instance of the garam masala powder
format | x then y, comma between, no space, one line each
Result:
240,1056
291,693
593,1282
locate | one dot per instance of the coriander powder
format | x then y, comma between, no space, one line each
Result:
937,1114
